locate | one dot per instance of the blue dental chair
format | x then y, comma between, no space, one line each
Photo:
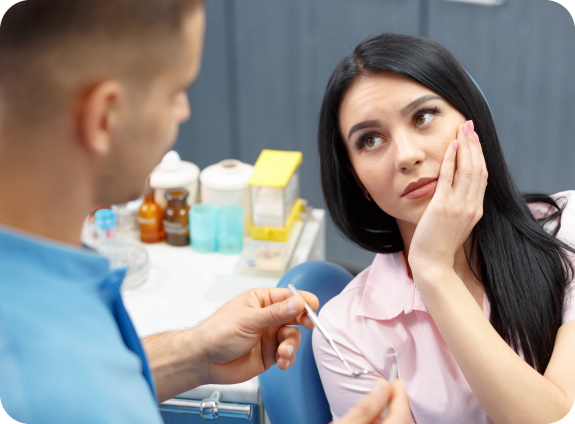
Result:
296,396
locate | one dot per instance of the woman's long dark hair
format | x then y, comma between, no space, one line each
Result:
523,268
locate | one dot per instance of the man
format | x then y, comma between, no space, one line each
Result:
91,96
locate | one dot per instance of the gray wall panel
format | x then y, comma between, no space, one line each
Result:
522,54
287,51
206,137
266,64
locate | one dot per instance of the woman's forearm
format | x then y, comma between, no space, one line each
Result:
508,389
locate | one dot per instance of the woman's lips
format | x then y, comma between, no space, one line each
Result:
421,191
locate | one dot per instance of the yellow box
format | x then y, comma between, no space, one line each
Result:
274,168
274,191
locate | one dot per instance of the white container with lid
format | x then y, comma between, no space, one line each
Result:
173,172
226,183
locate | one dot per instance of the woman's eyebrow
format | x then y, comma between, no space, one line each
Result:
361,126
404,112
414,104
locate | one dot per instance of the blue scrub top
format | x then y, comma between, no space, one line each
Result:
68,349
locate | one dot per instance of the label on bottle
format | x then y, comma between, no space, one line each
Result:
175,228
147,221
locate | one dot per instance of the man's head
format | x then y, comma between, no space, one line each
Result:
109,76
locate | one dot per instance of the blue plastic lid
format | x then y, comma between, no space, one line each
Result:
105,219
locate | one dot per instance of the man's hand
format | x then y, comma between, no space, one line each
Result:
244,338
248,335
369,410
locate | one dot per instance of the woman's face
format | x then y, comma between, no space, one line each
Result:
396,132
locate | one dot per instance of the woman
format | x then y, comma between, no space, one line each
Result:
470,291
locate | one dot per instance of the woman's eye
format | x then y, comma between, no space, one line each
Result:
372,141
423,119
369,141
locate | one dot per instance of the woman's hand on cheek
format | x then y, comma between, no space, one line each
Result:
456,206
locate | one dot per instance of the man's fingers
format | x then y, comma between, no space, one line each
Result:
369,409
311,299
285,364
269,346
289,339
268,297
305,321
284,312
399,410
279,307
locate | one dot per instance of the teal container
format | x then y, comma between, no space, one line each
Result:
230,229
204,228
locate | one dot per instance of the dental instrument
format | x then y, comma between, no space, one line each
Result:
392,377
327,336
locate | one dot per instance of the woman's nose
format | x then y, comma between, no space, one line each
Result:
409,153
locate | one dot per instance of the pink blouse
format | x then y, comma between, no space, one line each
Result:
381,312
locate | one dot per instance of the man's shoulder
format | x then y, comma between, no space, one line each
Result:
62,357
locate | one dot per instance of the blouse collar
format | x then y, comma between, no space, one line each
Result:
388,289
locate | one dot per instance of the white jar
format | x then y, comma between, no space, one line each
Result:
173,172
226,183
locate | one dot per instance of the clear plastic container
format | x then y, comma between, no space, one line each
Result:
272,206
126,222
204,228
123,254
264,258
230,229
226,183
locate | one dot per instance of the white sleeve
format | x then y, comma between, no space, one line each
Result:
567,235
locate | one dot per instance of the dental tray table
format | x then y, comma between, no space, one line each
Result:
185,287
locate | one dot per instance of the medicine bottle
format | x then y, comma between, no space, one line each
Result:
91,232
176,217
105,221
150,218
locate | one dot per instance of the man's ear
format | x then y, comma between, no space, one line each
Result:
99,112
355,177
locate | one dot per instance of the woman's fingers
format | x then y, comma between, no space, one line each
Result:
470,177
447,170
464,172
477,166
483,183
479,179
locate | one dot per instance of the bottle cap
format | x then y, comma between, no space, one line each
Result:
228,174
177,194
174,172
105,219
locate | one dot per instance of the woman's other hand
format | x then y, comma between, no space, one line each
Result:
370,409
456,206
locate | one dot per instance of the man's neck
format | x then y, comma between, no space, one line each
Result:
43,192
